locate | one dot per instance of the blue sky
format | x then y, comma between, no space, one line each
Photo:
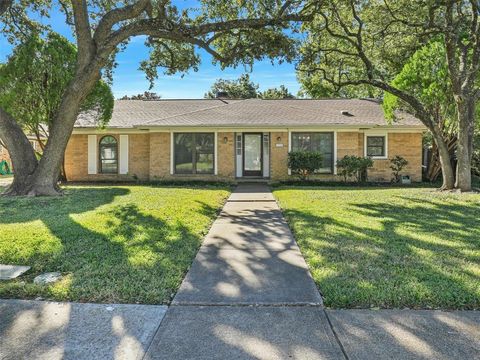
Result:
128,80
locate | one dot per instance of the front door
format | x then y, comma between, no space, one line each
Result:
252,154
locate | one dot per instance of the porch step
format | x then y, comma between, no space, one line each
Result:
252,180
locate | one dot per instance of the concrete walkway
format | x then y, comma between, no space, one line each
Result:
248,295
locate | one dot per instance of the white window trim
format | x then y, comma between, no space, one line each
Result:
92,155
123,154
172,149
289,148
172,165
215,152
335,152
375,133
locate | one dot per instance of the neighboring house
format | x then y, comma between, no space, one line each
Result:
4,155
230,140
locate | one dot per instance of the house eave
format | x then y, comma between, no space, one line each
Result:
257,127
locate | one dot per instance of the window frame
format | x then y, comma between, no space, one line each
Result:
100,163
332,133
383,135
194,153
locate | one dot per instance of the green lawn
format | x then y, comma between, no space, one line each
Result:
113,244
388,248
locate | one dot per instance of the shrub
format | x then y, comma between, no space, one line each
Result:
398,163
351,166
304,163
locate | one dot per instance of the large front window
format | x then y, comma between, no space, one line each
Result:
108,155
316,141
194,153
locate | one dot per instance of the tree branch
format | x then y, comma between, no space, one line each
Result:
5,5
82,29
116,16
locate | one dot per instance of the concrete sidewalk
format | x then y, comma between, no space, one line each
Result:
78,331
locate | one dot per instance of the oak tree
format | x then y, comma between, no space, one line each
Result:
358,43
232,32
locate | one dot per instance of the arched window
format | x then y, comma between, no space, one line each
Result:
108,155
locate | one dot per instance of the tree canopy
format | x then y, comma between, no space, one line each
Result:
233,33
276,93
241,88
366,43
244,88
34,78
147,95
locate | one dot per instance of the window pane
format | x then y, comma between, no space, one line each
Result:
300,142
375,145
375,140
204,142
183,153
327,162
317,141
204,163
109,166
108,155
375,151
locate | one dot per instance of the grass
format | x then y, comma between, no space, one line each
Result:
388,248
124,244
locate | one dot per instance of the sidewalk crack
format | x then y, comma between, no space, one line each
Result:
335,335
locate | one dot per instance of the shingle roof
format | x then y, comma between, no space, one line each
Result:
247,113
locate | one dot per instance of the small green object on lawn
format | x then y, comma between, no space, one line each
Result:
388,247
116,244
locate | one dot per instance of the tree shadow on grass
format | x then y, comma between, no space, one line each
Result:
123,255
415,253
130,257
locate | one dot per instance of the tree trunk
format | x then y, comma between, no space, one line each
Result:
21,152
466,116
39,178
444,156
46,175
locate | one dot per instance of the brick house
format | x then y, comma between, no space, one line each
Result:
230,140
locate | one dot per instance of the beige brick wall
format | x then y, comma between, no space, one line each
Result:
407,145
226,155
278,156
149,157
139,156
159,156
76,159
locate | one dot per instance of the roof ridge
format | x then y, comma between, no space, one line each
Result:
187,113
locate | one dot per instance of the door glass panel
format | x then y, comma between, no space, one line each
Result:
253,152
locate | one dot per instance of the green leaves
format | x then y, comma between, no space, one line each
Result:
424,75
304,163
277,93
351,166
241,88
33,80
